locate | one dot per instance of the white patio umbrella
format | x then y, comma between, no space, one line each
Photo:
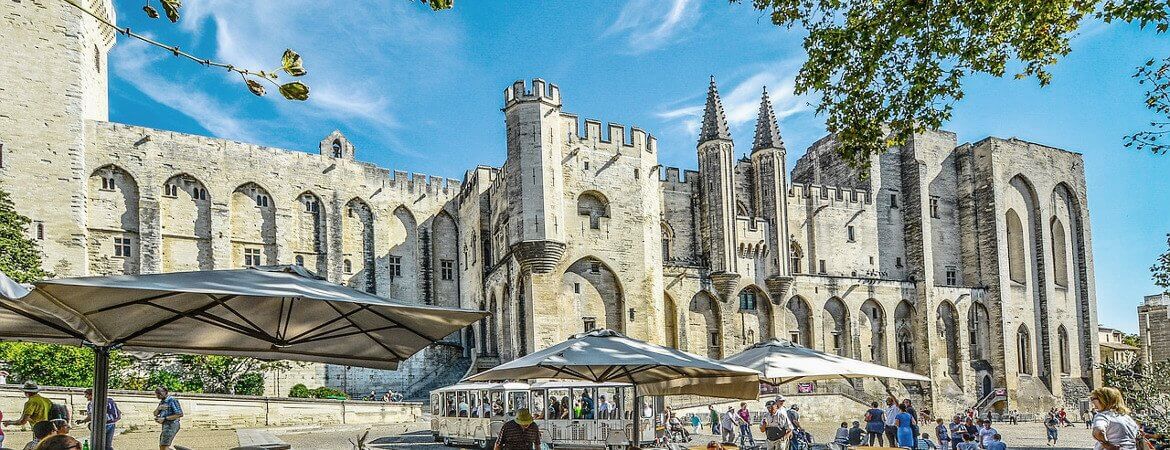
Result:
604,356
780,362
278,312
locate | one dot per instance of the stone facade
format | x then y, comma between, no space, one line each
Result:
968,263
1154,327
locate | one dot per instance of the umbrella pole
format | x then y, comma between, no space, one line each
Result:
637,415
101,386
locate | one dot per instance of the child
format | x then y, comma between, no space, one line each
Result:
841,440
924,443
968,442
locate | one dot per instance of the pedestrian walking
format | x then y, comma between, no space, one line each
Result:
891,429
1113,428
113,415
36,407
745,426
1050,428
521,433
714,415
914,414
875,425
167,414
727,424
775,426
904,422
695,422
1064,418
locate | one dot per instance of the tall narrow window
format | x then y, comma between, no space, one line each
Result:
336,148
39,230
347,266
395,266
1024,351
898,262
1,155
893,200
199,193
821,266
262,201
447,269
171,190
934,207
849,233
747,300
795,255
713,339
952,276
108,183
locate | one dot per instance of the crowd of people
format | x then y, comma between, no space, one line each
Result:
50,422
389,396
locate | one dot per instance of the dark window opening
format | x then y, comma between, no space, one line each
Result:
395,266
447,269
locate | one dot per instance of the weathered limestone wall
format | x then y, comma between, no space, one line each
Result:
1154,327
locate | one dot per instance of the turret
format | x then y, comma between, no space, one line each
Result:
717,188
768,162
534,178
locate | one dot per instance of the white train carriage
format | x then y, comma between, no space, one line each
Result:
570,414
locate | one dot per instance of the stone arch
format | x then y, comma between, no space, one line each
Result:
1036,296
1023,350
445,259
1062,346
185,221
113,222
311,240
705,326
905,339
948,331
253,220
799,321
592,206
979,331
1067,202
357,244
1059,253
872,324
836,336
667,242
337,148
670,316
1015,247
592,294
754,315
402,259
795,257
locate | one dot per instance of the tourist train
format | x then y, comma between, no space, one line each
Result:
473,413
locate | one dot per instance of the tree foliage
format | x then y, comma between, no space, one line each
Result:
226,374
886,69
20,256
1161,268
1146,389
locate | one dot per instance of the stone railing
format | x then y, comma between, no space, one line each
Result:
226,411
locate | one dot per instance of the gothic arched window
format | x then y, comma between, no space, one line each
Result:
337,148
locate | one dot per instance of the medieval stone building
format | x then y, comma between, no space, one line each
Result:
968,263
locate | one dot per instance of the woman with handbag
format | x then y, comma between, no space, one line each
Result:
1113,428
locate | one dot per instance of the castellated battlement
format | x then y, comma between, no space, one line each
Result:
669,176
538,90
418,182
613,133
837,195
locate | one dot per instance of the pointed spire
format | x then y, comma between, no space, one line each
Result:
767,132
714,122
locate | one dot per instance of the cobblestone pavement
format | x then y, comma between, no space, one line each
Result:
193,439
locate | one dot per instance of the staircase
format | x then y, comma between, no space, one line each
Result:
984,404
442,372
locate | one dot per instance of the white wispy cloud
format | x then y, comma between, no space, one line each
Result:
353,54
135,62
650,25
741,103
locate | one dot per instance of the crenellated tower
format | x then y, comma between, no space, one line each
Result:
717,194
533,175
771,172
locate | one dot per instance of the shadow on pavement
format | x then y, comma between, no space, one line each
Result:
414,439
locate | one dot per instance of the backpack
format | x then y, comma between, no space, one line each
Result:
58,412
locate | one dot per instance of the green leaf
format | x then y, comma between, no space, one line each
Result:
291,63
295,91
438,5
255,87
172,9
150,11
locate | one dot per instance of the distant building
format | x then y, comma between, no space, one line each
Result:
1114,348
1154,326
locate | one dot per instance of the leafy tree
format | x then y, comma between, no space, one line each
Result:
1161,268
20,257
225,374
886,69
1146,389
252,383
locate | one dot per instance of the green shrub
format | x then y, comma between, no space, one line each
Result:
251,383
300,391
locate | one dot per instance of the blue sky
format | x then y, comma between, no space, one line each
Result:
421,91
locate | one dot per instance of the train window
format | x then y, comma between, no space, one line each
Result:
484,405
559,404
517,400
463,406
608,403
538,404
449,401
497,403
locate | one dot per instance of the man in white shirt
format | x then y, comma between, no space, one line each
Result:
777,429
986,434
727,423
892,411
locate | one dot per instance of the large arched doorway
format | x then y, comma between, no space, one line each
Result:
872,320
836,327
979,332
904,336
948,330
670,320
593,295
799,325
